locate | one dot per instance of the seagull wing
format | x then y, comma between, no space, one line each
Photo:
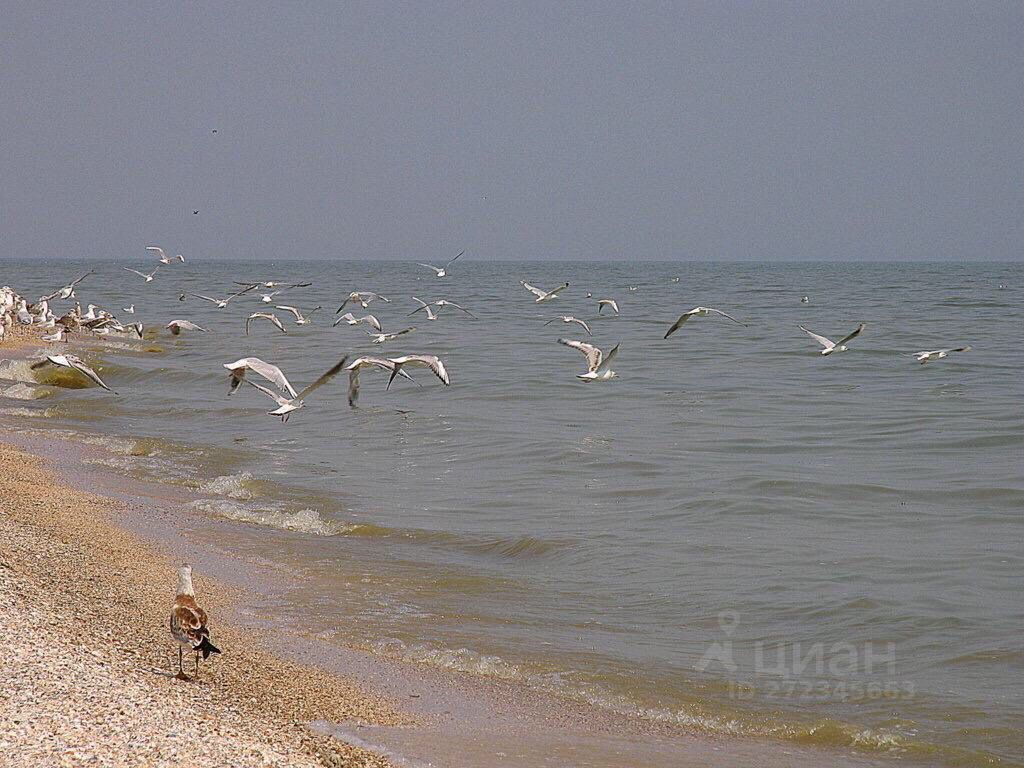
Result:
679,323
293,310
558,290
852,335
88,372
324,378
372,320
826,343
607,361
73,283
429,266
453,259
427,361
533,289
157,250
134,271
460,307
272,395
725,314
205,298
582,323
271,373
422,305
592,353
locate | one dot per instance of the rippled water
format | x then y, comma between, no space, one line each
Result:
737,534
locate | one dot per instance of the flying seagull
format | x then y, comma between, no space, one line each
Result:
363,298
271,373
597,362
602,303
270,316
544,295
367,361
188,623
351,319
427,361
380,338
177,326
221,303
441,271
164,258
300,319
937,354
68,291
148,278
571,319
285,406
831,346
75,364
440,304
698,311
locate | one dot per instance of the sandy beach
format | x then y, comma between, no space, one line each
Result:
89,672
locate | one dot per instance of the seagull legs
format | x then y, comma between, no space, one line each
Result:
197,666
181,672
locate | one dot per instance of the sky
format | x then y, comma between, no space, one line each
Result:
515,130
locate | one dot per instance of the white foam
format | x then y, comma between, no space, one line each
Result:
232,486
302,521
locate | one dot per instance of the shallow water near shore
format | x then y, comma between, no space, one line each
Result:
737,535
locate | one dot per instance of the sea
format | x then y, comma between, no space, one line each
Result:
736,534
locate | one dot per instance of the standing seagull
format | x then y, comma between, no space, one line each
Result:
571,319
188,623
602,303
177,326
937,354
544,295
285,405
148,278
701,311
441,271
75,364
597,362
269,372
831,346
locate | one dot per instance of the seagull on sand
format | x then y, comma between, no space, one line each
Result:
188,623
59,335
440,304
441,271
702,312
177,326
351,319
221,303
927,357
602,303
270,372
300,319
148,278
75,364
544,295
597,362
571,319
264,316
285,405
831,346
368,361
363,298
380,338
426,361
164,258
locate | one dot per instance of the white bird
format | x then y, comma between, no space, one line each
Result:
368,361
266,298
74,363
544,295
164,258
68,291
285,406
148,278
935,354
831,346
177,326
571,319
188,623
270,316
351,319
300,319
602,303
427,361
805,300
675,279
130,310
270,372
380,338
221,303
597,362
272,284
440,304
441,271
363,298
57,335
698,311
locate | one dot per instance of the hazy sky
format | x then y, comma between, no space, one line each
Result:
767,131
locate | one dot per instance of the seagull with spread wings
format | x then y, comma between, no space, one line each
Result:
571,319
598,363
441,271
698,312
75,364
937,354
833,346
270,372
286,406
147,278
544,295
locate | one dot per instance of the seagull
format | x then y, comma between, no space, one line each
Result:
269,372
68,291
351,319
440,304
363,298
285,406
221,303
164,258
367,361
148,278
188,623
380,338
266,298
130,310
177,326
544,295
571,319
264,316
74,363
300,319
829,345
602,303
675,279
926,357
270,285
805,300
57,335
441,271
703,312
597,362
427,361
